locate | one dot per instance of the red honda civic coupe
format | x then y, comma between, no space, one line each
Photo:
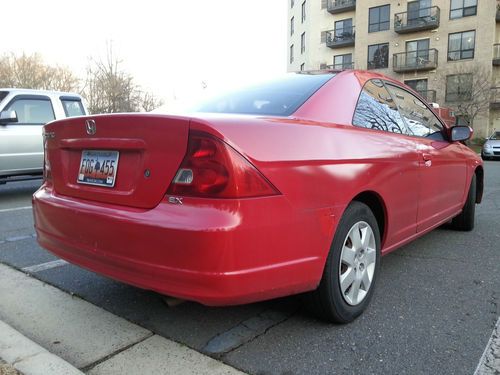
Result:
291,186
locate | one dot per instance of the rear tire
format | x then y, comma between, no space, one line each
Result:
465,220
351,268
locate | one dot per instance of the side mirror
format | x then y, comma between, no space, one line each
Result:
7,117
460,133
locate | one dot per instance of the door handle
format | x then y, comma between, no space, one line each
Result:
427,159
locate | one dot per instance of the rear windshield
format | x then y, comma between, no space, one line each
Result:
279,97
3,94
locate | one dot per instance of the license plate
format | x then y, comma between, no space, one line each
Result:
98,167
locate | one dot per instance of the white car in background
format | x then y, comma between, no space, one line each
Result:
22,114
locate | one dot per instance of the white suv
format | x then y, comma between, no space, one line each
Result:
22,115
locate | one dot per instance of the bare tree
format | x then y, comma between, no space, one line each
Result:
468,90
110,89
30,71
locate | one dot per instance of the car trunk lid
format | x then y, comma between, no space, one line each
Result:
149,149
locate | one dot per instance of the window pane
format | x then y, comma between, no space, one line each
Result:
457,4
469,3
456,14
470,11
32,111
374,15
378,56
73,108
468,40
376,110
419,119
454,42
384,13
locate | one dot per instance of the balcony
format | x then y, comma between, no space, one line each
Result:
496,54
340,37
344,66
339,6
429,95
495,98
419,20
415,61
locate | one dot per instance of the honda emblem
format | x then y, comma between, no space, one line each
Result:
90,126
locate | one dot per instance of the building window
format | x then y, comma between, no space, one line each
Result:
344,29
341,62
303,42
419,85
419,11
417,52
378,56
291,54
461,45
302,66
379,18
292,3
292,26
463,8
303,11
459,87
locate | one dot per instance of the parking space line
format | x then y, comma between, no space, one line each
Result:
15,209
491,355
45,266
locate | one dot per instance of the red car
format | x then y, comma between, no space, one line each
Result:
292,186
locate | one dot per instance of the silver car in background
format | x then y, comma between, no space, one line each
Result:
22,114
491,148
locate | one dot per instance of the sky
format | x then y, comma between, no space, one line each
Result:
173,48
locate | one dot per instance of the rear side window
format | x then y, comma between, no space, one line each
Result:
280,97
377,110
72,107
32,111
419,119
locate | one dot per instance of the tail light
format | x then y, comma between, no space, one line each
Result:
47,174
213,169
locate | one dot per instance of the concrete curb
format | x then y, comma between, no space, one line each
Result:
28,357
89,338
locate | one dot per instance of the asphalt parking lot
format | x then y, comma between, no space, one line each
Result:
434,309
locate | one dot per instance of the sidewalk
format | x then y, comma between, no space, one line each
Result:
44,330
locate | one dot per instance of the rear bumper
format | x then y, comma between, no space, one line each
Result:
221,253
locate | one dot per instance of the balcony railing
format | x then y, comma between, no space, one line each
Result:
429,95
418,20
342,37
415,61
496,54
343,66
339,6
495,98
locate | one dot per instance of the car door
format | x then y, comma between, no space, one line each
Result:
442,168
21,142
396,156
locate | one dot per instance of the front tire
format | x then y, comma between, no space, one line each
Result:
351,269
465,220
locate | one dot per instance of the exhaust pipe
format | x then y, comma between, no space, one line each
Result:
172,301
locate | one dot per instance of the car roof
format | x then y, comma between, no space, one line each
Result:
42,92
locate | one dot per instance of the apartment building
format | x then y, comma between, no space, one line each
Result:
438,47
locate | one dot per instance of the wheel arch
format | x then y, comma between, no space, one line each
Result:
377,205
